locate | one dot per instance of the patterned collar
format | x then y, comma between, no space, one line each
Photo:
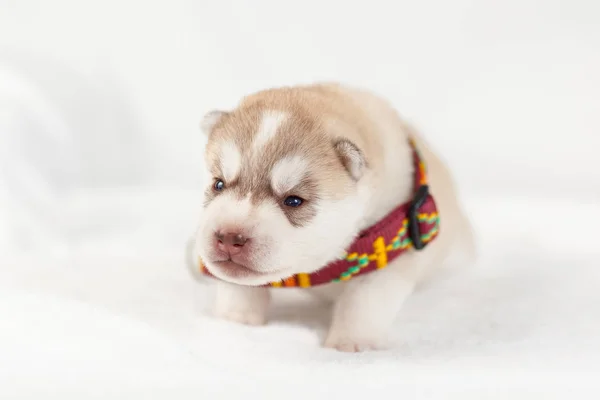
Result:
413,224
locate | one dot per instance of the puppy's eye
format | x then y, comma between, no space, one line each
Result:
293,201
219,185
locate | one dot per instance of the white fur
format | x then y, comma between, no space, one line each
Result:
282,249
294,250
227,210
246,305
269,124
231,160
287,173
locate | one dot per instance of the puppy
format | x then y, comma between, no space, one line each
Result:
324,187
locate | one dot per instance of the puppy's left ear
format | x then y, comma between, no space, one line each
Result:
209,121
351,157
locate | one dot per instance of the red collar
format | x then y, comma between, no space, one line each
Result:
411,225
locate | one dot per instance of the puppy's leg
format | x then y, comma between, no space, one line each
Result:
243,304
368,306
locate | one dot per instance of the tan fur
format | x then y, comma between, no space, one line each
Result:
305,130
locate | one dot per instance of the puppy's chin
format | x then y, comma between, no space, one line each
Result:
230,269
233,272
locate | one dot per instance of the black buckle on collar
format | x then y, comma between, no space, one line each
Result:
413,221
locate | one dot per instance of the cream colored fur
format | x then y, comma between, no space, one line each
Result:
365,306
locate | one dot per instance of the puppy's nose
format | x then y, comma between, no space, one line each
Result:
231,243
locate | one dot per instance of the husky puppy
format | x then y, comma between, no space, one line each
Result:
299,178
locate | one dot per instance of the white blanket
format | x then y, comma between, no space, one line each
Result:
103,321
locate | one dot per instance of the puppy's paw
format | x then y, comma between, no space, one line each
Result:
246,317
244,305
349,344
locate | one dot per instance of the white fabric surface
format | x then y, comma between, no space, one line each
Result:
133,322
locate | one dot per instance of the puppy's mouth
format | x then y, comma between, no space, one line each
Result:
233,270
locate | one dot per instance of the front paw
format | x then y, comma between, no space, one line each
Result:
246,317
350,344
244,305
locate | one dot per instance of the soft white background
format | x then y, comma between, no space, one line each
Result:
100,154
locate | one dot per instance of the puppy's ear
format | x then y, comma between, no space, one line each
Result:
209,121
351,157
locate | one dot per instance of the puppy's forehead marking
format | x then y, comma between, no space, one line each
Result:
287,173
269,124
231,160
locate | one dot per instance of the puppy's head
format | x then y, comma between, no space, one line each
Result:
282,196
